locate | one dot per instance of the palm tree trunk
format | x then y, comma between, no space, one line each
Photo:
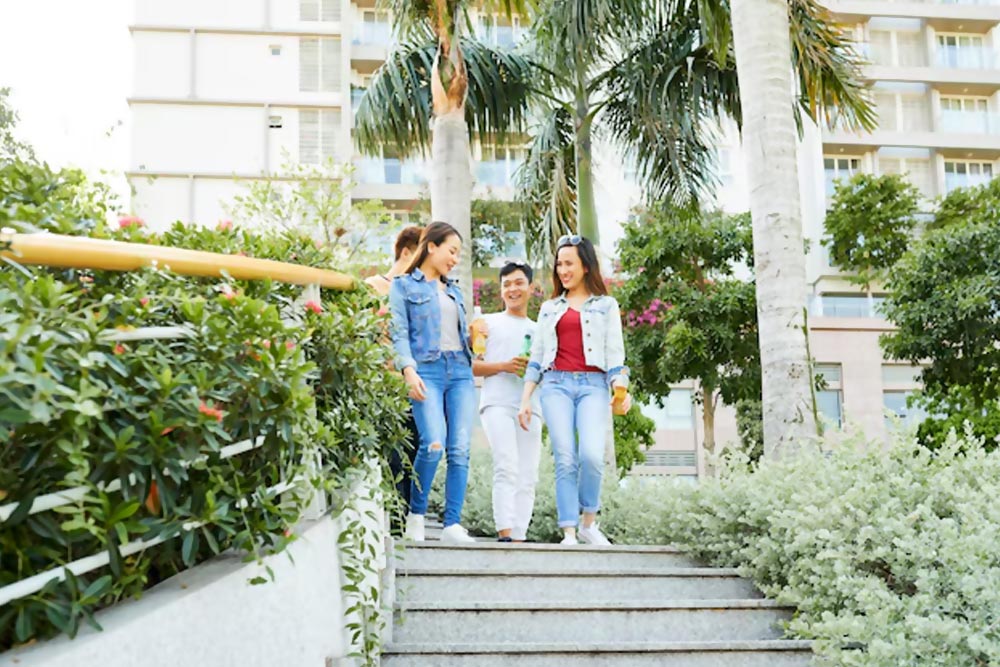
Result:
764,66
586,208
451,186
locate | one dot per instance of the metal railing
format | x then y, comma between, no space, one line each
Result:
84,253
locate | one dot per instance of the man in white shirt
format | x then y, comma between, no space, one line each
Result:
516,451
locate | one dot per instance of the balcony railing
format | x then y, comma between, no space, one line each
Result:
496,173
356,95
390,171
378,33
969,122
504,37
959,57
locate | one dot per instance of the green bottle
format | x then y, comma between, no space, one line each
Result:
525,350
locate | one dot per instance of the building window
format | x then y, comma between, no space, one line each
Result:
498,31
274,122
676,413
837,168
901,374
275,49
376,28
896,404
319,10
844,305
963,51
965,174
917,171
319,65
671,459
497,165
318,132
966,114
829,400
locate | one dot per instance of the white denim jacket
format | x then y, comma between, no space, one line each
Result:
603,344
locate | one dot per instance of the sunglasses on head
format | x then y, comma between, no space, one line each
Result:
569,239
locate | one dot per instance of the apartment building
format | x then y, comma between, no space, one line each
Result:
934,74
228,91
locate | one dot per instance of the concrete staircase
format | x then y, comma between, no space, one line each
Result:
543,605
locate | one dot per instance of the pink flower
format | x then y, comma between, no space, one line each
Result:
383,311
167,430
314,307
641,269
228,292
289,345
224,225
210,411
144,301
118,348
266,344
86,279
130,221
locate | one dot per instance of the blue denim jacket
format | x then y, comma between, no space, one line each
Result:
416,319
604,344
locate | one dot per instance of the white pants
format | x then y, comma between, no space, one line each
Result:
515,468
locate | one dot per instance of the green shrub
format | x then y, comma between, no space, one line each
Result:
889,554
82,411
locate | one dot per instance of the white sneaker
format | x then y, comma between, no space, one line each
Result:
569,539
593,535
455,534
414,528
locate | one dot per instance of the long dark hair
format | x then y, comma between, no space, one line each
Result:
591,265
436,233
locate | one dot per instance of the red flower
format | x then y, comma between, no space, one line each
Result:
130,221
314,307
210,411
224,225
119,348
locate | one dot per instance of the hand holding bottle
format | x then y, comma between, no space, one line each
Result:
621,403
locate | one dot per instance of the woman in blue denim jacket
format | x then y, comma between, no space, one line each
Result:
430,337
578,354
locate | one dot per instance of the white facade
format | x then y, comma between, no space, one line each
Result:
226,91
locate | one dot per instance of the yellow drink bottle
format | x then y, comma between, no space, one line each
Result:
478,336
618,404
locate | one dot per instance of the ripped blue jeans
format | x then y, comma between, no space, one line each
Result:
444,422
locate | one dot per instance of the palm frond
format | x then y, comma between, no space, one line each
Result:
664,101
546,184
396,108
828,69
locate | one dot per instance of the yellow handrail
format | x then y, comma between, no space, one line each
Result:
80,252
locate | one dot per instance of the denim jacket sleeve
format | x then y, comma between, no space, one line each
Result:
534,370
400,326
614,350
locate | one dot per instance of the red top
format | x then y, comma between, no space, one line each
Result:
570,356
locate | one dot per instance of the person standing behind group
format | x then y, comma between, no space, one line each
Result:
406,244
431,341
578,353
515,451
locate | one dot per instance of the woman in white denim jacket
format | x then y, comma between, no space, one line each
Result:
578,354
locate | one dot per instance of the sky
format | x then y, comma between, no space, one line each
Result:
68,63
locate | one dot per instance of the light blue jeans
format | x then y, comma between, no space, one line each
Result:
444,421
577,411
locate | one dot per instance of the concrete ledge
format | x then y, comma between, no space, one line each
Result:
631,605
696,572
539,546
605,647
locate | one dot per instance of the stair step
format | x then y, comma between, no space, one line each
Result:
488,556
518,622
507,584
768,653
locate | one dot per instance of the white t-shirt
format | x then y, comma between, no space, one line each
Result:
505,341
450,340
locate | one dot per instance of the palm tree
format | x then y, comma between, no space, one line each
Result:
654,78
432,90
769,134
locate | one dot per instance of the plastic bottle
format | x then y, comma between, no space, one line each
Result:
478,337
618,404
525,351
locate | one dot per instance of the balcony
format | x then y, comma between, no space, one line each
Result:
496,173
374,33
964,122
389,179
502,37
957,57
